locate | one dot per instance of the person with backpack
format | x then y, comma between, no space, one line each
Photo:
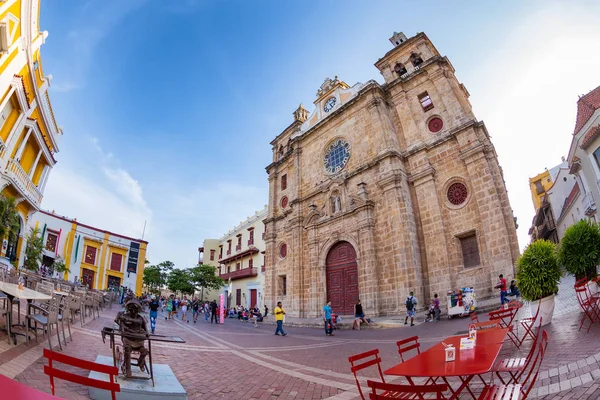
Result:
411,303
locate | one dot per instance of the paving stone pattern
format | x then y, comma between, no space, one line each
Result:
237,361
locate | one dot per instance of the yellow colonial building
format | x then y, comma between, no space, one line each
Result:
538,185
96,257
29,133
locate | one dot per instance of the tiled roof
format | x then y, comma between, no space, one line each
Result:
569,199
589,137
586,106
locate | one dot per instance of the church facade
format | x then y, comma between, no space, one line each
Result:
386,189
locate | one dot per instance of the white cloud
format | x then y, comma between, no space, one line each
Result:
526,91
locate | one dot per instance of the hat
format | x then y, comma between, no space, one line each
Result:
134,303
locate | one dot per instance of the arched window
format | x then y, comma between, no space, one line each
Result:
416,60
400,69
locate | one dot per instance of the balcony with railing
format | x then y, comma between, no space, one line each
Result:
238,247
240,274
589,206
23,182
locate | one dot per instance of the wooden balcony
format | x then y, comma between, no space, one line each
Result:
240,274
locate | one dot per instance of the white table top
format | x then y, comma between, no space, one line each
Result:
62,293
12,289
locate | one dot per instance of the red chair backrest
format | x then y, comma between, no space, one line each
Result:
474,318
534,346
407,345
498,315
395,391
53,372
527,385
362,361
582,296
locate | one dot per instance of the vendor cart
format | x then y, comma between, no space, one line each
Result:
461,302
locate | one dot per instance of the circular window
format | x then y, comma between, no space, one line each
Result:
435,124
457,193
283,250
336,156
284,202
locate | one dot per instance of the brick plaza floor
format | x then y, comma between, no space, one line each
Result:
237,361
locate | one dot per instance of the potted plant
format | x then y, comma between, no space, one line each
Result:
538,275
579,251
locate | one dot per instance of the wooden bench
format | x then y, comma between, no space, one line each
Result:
53,372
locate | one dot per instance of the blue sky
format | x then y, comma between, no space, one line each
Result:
168,107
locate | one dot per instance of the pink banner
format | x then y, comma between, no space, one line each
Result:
222,307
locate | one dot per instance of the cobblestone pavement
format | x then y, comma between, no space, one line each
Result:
237,361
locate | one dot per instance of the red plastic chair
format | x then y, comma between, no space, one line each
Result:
529,323
407,345
474,318
395,391
505,319
52,372
515,367
589,305
513,391
362,361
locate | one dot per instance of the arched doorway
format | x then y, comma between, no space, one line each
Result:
342,278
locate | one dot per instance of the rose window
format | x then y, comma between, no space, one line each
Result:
435,125
284,202
457,193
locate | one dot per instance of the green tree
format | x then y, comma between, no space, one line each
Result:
180,280
60,266
538,272
33,250
152,278
9,218
579,250
204,277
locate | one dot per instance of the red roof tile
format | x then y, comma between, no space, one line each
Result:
586,106
570,198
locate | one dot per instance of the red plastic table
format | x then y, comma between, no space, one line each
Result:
468,363
15,390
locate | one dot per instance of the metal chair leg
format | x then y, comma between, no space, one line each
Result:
49,333
58,337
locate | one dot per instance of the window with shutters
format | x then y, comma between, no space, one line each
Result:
221,251
116,260
237,266
251,239
6,111
470,250
90,255
283,181
229,247
250,263
212,255
51,242
239,242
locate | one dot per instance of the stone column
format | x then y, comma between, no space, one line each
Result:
368,268
439,275
493,229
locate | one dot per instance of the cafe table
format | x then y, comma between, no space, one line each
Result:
12,389
467,364
12,290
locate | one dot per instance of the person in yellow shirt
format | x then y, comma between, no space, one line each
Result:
279,313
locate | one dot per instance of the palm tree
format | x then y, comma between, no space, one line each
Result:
9,218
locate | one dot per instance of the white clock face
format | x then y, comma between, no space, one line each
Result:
329,104
336,156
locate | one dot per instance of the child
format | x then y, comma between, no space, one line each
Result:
431,313
513,289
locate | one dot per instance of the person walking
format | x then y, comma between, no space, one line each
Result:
184,307
195,306
213,312
169,307
327,319
411,303
154,305
359,316
436,307
502,286
206,309
279,314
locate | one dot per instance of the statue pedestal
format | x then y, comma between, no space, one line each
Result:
166,385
